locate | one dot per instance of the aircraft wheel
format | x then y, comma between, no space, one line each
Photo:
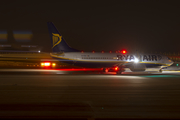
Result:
105,70
119,72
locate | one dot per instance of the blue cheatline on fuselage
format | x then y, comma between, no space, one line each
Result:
100,64
88,64
148,65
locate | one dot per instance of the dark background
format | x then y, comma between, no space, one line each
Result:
143,25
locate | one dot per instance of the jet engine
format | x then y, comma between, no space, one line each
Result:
137,67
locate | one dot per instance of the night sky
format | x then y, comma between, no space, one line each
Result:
146,25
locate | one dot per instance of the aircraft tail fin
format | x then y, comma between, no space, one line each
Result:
57,41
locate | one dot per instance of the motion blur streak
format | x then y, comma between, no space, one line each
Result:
128,77
3,36
43,70
22,36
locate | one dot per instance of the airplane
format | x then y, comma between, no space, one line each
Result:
107,61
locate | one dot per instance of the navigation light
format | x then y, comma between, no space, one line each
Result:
54,64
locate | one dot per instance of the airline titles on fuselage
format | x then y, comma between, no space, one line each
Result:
141,57
132,57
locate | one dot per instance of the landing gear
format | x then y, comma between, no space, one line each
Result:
105,70
116,69
160,70
121,69
119,72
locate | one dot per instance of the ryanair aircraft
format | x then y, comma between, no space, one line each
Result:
107,61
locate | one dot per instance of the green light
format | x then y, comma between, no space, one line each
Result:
161,76
177,64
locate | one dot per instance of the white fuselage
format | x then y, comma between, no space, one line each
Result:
115,59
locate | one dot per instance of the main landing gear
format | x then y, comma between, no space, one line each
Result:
116,69
119,72
106,70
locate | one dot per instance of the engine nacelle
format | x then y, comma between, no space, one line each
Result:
137,67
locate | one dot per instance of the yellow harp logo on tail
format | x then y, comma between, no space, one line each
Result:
56,39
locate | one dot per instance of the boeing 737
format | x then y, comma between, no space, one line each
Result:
108,61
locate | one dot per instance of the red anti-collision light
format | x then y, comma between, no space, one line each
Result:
124,52
116,68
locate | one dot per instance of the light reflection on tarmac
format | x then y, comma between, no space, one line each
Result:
77,94
81,71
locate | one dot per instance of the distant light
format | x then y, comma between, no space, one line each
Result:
110,51
177,64
28,46
102,51
93,51
47,64
22,36
39,51
136,60
42,64
116,51
5,45
54,64
82,51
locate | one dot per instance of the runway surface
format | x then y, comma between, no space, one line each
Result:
89,96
